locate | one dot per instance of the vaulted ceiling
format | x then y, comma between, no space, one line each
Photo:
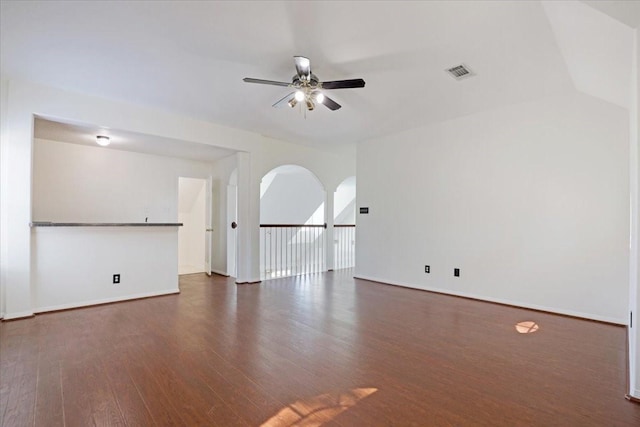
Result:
190,57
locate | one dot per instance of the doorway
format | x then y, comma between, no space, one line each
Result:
192,210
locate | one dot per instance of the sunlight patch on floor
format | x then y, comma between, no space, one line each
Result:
317,410
527,327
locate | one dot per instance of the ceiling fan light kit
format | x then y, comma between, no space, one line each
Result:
308,87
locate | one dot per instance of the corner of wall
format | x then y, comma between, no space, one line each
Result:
4,102
634,270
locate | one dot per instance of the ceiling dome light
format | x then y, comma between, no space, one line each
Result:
320,97
103,140
299,96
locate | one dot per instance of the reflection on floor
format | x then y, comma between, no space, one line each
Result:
315,410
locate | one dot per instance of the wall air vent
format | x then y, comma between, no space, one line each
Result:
460,72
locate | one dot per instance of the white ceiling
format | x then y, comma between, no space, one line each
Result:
127,141
190,58
625,11
596,48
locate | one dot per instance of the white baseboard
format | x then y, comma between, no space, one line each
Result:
105,301
634,397
190,269
617,321
220,273
249,282
20,315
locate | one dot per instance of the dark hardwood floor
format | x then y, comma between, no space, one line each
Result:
322,349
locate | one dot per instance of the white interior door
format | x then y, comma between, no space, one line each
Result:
208,239
232,218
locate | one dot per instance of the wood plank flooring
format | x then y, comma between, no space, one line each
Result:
321,349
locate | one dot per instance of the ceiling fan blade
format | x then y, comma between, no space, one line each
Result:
284,101
330,103
265,82
343,84
303,67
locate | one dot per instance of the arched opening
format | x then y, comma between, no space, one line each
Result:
344,224
292,223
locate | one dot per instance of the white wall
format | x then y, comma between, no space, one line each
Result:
529,201
344,202
77,183
191,236
16,207
292,196
74,266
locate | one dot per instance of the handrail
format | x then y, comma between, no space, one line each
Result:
306,225
294,249
294,225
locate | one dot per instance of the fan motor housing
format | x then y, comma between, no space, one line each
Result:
313,81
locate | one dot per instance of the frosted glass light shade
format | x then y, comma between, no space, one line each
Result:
103,140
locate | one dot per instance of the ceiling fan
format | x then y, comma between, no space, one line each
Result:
308,89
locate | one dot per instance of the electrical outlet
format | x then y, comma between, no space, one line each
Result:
116,278
427,269
456,272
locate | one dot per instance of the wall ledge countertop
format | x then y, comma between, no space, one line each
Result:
104,224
